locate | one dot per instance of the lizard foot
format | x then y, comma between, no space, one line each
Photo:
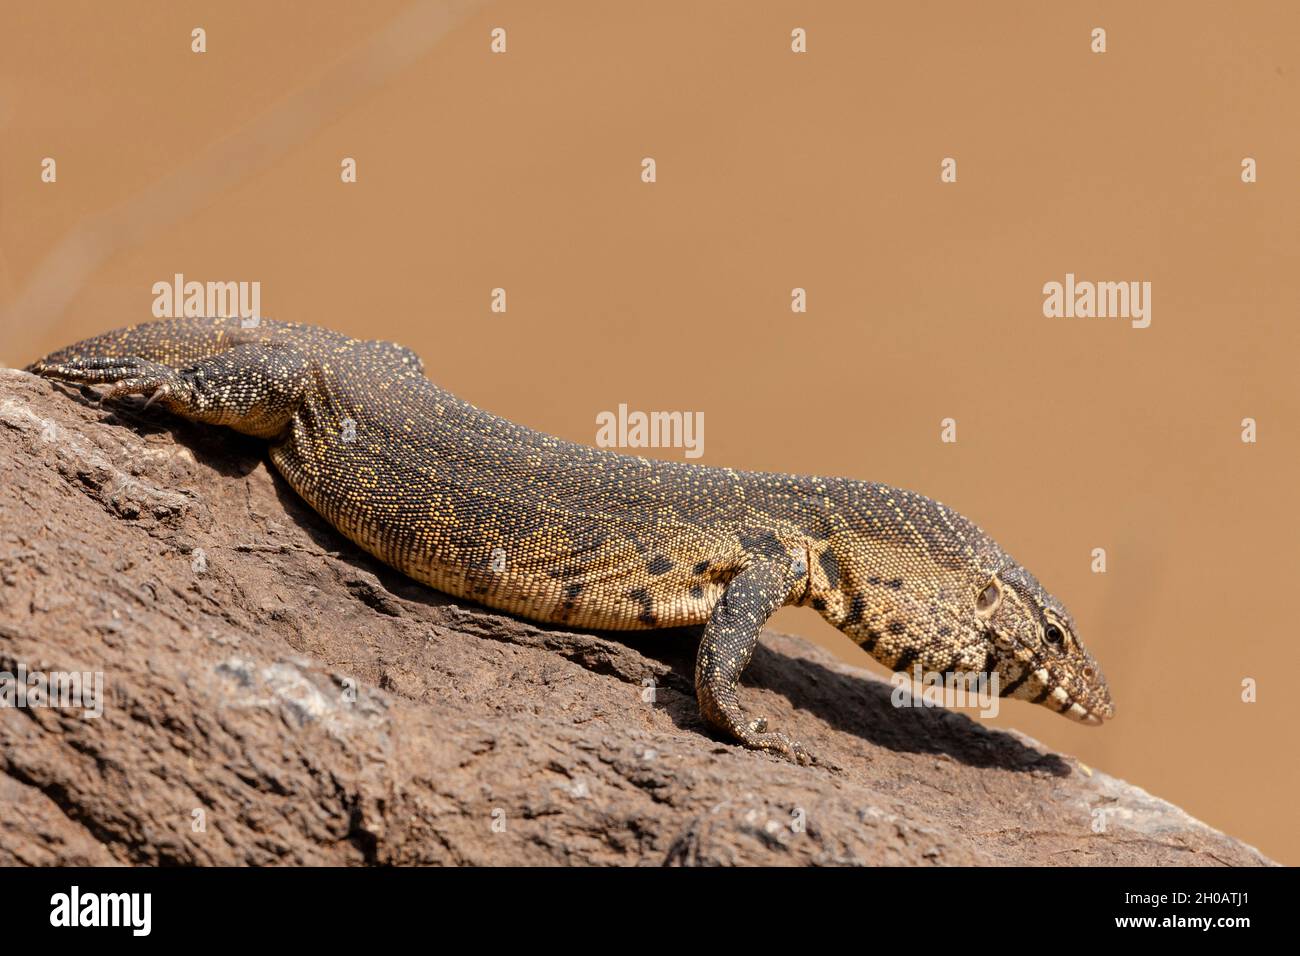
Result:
757,737
126,376
249,387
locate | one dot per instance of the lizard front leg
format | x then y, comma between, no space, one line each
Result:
728,643
253,388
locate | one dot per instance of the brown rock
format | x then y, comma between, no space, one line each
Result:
305,704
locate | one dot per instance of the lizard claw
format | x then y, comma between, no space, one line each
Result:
154,388
161,392
783,746
124,376
757,736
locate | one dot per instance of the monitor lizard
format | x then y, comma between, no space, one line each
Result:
488,510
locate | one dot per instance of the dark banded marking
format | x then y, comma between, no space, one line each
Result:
642,597
832,567
763,543
560,574
906,659
1014,686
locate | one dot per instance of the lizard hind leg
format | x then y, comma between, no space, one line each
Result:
730,637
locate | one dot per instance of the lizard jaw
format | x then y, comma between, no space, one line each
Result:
1076,711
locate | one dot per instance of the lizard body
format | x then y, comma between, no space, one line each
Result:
485,509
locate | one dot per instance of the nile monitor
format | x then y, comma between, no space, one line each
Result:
485,509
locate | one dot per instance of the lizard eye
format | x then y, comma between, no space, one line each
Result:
988,598
1053,635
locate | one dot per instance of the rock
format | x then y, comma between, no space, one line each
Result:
273,695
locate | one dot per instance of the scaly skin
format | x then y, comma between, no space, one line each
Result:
485,509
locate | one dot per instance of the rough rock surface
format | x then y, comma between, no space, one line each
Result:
273,695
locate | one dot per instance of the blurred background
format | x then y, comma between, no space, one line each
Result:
522,171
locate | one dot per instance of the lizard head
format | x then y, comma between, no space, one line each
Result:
1035,649
916,584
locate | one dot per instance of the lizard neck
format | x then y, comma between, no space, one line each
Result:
906,599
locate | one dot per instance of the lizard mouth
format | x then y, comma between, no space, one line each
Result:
1078,712
1060,700
1056,696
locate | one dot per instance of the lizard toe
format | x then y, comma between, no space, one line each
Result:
782,746
100,370
152,387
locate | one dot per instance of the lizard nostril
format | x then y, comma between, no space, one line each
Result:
1089,673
